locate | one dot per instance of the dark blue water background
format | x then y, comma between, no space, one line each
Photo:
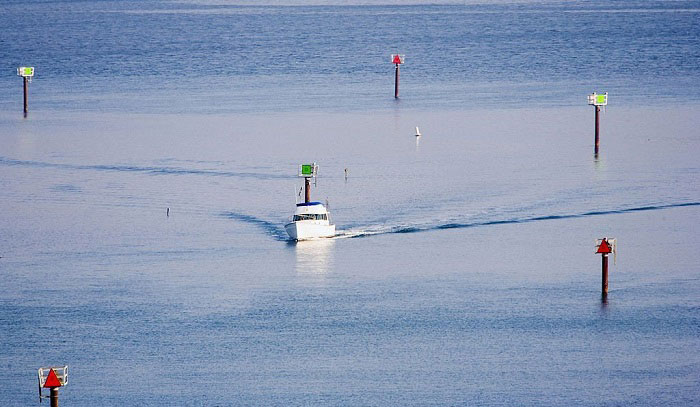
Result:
199,56
464,273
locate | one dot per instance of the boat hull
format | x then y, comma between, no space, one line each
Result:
306,230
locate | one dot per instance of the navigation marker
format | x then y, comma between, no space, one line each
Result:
597,100
604,247
396,59
26,72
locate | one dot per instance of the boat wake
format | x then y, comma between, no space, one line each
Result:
150,170
373,230
274,229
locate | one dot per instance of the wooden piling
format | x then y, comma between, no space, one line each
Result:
26,94
54,397
307,189
604,286
597,129
396,83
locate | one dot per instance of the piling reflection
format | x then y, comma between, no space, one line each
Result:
314,256
599,164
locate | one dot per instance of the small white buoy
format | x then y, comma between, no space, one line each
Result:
417,132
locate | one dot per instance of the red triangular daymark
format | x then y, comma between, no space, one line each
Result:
397,59
52,380
604,247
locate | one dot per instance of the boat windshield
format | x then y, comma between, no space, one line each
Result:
311,216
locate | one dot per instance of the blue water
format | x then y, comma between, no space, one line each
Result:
464,270
218,56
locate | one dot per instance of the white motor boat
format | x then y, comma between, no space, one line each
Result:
311,220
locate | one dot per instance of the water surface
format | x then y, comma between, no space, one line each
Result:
464,271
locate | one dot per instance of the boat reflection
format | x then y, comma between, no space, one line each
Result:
314,256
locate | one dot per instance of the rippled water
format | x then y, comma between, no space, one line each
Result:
220,56
464,270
